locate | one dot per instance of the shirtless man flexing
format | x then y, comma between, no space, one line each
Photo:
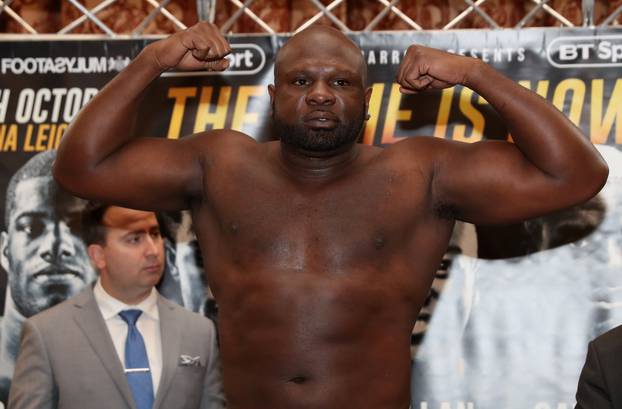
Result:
317,293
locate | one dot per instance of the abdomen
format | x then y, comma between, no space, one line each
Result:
309,340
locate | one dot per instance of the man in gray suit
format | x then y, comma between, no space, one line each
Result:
89,352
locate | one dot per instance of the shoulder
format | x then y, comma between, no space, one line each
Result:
223,147
221,139
610,342
53,316
423,149
423,146
418,154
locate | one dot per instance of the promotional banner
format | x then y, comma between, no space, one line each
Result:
507,322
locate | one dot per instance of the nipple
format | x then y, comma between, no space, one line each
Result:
379,242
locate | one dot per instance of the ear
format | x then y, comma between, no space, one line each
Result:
97,256
271,92
367,99
4,251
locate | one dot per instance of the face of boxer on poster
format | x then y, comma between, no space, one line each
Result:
42,252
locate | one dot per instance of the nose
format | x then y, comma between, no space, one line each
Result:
153,246
321,94
57,244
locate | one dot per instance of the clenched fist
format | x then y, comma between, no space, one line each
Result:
199,47
426,68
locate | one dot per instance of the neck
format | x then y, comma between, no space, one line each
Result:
318,165
12,323
130,297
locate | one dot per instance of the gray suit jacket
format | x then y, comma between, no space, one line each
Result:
67,360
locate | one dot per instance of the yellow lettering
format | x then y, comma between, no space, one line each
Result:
473,115
3,133
181,95
374,111
543,88
601,125
28,147
60,131
240,115
216,118
42,136
394,114
10,140
577,87
442,119
525,84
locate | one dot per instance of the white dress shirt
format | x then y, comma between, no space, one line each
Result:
148,324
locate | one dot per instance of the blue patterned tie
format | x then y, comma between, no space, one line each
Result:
136,362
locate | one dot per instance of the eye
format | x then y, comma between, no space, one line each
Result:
133,239
341,83
301,82
32,226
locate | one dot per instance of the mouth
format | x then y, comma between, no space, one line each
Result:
56,274
153,268
321,120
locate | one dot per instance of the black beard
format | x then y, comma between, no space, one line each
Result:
318,140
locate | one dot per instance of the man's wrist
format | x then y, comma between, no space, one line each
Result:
148,59
476,73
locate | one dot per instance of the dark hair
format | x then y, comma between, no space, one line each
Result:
93,230
39,165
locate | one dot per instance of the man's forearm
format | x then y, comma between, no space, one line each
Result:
543,134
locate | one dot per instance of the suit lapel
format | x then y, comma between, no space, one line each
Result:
170,333
91,322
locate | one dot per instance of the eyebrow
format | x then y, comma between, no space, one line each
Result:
147,230
305,71
44,213
31,213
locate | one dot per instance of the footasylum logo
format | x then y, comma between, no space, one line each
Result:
585,51
62,65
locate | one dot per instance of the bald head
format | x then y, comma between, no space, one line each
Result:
323,42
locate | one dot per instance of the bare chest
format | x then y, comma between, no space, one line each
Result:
269,220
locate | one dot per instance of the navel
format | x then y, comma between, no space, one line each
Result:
379,242
298,379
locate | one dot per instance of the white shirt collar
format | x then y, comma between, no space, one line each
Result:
110,307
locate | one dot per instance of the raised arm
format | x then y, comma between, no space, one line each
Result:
551,164
100,158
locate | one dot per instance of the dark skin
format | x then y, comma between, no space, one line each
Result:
320,261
